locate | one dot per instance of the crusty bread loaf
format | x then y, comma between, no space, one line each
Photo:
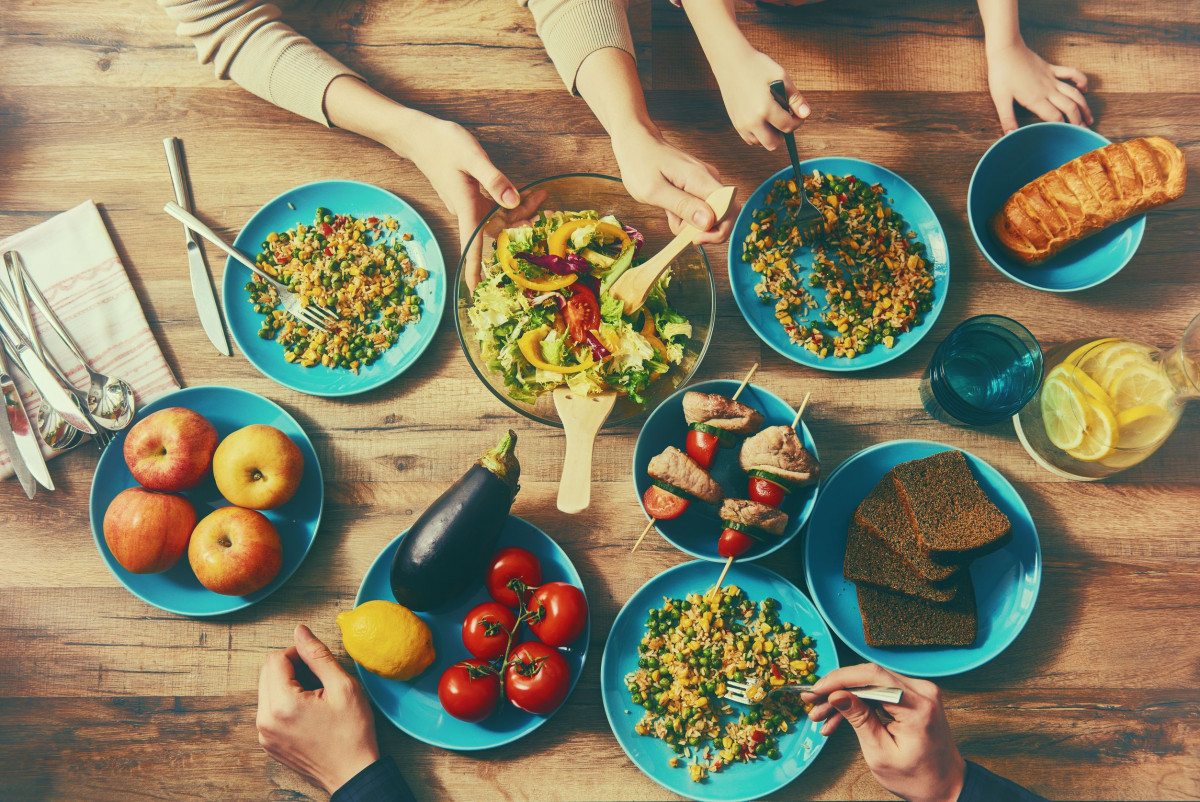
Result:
1088,194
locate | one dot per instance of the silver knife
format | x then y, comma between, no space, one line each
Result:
202,288
18,436
45,382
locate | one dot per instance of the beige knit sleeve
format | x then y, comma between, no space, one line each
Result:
574,29
245,41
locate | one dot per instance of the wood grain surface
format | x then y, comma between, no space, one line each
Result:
103,697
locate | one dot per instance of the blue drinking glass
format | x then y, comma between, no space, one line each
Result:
983,372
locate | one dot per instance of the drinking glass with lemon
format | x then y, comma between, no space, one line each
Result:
1107,404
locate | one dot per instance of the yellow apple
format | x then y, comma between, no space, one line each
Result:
258,467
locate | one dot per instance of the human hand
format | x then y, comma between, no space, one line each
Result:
522,215
914,755
745,76
327,734
658,173
1016,73
456,165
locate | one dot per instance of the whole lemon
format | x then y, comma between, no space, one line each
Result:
387,639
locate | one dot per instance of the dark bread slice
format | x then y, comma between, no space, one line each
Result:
881,514
894,619
869,560
952,516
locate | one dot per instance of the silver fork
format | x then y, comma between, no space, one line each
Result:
312,315
807,218
747,693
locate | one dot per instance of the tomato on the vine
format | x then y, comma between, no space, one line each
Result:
486,630
508,564
537,678
558,613
663,504
470,690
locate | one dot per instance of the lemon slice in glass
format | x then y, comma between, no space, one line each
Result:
1062,412
1143,426
1142,384
1100,432
1087,348
1076,377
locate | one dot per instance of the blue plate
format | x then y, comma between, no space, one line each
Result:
697,531
342,197
1006,581
1011,163
414,706
228,409
798,748
905,200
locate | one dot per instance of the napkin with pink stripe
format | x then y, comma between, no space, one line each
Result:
73,261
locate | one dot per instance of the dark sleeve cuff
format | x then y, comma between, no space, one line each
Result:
378,782
980,785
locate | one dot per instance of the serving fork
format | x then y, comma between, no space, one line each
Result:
744,692
312,315
807,218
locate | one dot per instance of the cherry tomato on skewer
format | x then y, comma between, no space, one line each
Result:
663,504
767,488
702,447
734,543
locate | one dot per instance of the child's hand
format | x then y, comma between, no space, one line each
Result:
745,78
1016,73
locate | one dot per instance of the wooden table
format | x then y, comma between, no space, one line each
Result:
103,697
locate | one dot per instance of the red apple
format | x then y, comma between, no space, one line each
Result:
235,551
148,532
171,450
258,467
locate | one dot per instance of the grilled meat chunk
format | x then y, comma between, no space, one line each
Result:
751,513
721,412
778,450
676,468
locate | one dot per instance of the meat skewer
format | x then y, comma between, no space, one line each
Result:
780,448
744,417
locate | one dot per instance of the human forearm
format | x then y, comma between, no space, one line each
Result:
354,106
608,81
723,43
1001,24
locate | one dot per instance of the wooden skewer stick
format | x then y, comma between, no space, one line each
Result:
717,589
745,381
642,537
650,525
800,411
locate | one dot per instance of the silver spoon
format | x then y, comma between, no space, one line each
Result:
109,399
56,432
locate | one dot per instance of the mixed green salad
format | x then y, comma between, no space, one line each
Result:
544,317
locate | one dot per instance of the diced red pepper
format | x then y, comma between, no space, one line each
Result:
328,251
775,671
372,221
326,229
281,259
843,197
758,736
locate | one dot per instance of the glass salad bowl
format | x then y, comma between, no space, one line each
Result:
690,292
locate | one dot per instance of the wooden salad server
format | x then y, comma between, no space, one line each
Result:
582,416
633,286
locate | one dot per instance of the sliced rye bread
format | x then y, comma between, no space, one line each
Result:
894,619
869,560
954,519
881,514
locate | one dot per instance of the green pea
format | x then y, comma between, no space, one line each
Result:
327,218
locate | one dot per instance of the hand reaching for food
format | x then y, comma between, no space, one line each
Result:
521,214
1052,92
660,174
913,755
328,733
744,79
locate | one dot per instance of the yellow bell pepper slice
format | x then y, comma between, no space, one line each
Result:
558,240
548,284
655,343
531,346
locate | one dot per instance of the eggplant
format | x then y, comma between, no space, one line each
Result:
448,547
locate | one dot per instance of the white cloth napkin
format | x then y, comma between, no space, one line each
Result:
73,261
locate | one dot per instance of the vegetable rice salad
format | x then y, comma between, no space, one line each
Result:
876,278
691,648
356,267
